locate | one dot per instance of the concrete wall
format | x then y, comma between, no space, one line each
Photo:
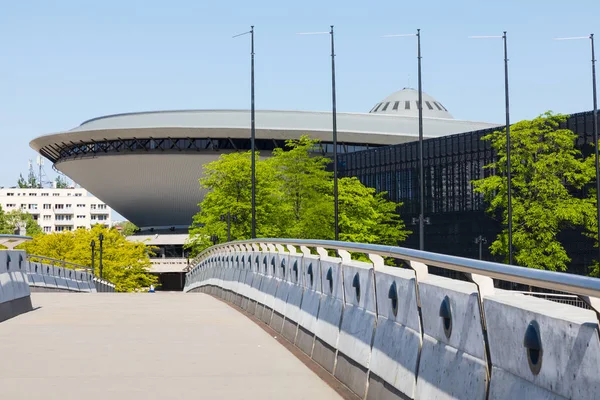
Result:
51,278
14,289
392,333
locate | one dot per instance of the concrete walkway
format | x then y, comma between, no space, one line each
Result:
146,346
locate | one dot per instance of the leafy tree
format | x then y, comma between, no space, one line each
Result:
546,171
10,221
29,183
294,199
61,183
127,228
125,263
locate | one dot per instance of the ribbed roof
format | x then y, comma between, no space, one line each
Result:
405,102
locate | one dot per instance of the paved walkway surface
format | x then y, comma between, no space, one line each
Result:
146,346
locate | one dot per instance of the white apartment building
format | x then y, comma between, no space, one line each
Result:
57,210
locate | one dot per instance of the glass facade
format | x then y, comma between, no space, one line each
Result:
67,151
457,214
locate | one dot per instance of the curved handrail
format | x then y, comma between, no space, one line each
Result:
559,281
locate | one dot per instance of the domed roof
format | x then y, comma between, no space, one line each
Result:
405,102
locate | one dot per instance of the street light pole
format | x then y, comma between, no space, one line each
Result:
335,159
252,134
421,168
596,139
480,240
421,221
252,131
595,127
507,128
93,245
508,166
101,239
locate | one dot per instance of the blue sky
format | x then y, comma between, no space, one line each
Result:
65,61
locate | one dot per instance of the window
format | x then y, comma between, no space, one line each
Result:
429,105
63,228
68,194
47,229
10,205
55,194
32,194
10,194
68,205
59,206
93,206
77,194
396,104
45,194
63,217
81,217
407,105
81,227
101,206
47,206
24,206
32,207
102,217
93,217
47,217
377,108
80,205
438,106
386,106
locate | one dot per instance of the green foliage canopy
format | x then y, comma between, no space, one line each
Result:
125,263
10,220
546,171
294,199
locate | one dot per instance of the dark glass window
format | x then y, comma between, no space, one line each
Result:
443,107
438,106
377,108
407,105
396,103
386,106
429,105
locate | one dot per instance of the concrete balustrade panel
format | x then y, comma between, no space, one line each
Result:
264,269
311,299
282,269
14,288
451,367
294,299
17,273
246,277
570,355
254,292
270,287
236,297
59,276
358,326
397,342
48,275
330,313
71,281
36,275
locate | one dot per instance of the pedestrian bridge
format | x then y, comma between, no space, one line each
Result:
304,319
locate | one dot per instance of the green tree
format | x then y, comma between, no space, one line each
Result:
61,183
29,183
546,171
125,263
294,199
10,221
127,228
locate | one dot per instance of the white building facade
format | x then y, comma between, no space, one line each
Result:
57,210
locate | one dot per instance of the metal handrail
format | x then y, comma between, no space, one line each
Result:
559,281
61,262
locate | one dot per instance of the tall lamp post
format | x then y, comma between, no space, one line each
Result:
101,239
508,165
421,220
480,240
93,245
334,129
252,129
595,125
